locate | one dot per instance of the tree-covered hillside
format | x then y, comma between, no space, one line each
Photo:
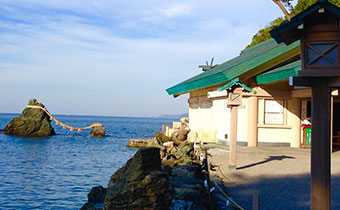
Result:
263,34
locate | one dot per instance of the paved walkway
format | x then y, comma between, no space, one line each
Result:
279,175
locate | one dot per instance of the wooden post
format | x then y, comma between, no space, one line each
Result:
256,202
320,149
252,122
295,121
233,137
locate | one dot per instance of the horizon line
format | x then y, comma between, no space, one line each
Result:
89,115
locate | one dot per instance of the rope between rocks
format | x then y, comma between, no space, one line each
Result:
221,172
221,190
57,122
225,195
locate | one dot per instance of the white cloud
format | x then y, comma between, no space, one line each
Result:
118,54
177,9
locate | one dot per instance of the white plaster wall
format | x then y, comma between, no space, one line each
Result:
201,121
206,116
214,116
242,125
274,135
200,116
293,120
194,116
221,118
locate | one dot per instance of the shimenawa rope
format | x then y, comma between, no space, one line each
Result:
57,122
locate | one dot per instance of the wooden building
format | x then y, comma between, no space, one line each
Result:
271,113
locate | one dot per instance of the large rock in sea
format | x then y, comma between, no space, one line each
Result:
32,122
140,184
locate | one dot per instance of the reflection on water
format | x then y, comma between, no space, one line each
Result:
57,172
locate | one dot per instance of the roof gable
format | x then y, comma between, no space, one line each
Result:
234,83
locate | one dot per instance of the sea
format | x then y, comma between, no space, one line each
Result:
57,172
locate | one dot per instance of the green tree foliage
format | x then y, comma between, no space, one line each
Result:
263,34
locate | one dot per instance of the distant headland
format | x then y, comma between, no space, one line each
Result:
173,116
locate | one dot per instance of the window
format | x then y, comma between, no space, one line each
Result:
321,54
273,112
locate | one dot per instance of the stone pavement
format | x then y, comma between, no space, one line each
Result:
279,175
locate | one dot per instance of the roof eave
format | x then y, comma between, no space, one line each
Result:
291,26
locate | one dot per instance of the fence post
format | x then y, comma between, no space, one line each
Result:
256,202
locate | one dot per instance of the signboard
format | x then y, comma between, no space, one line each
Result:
235,99
273,112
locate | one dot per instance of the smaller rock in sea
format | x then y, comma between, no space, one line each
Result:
98,131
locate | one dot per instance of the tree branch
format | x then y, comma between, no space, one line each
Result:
283,9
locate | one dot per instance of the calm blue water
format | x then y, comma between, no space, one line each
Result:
57,172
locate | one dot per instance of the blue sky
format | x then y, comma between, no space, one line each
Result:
116,58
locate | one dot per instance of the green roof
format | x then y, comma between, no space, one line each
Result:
233,82
281,73
254,58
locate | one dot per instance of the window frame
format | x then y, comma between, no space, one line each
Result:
281,112
319,67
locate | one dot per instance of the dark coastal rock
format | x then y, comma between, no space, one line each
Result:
184,204
142,143
88,206
96,195
140,184
95,199
188,184
98,131
32,122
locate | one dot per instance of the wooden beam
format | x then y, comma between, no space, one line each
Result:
301,81
302,93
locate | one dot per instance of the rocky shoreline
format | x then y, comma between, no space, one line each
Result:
165,173
145,183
